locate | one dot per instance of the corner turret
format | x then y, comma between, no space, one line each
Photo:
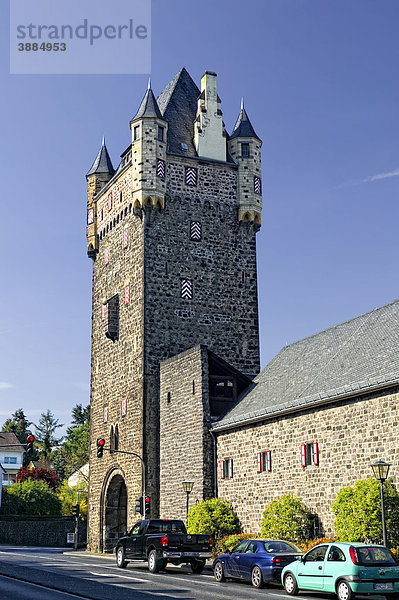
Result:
100,173
244,146
149,140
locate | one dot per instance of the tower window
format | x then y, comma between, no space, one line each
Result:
160,133
112,318
168,397
136,132
245,149
161,169
186,289
110,202
191,176
195,231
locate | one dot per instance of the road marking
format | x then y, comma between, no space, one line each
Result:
121,576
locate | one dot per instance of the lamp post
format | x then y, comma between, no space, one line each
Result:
187,487
380,470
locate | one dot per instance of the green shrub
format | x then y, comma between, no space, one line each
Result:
229,541
358,512
286,519
30,498
214,517
68,495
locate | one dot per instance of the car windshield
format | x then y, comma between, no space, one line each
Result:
374,556
277,547
166,527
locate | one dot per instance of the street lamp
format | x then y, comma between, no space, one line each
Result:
187,487
380,470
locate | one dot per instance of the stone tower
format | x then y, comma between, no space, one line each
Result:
172,236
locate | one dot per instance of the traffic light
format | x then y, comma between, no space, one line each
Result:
29,443
139,506
75,510
147,506
100,447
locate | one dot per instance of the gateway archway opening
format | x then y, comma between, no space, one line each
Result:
115,512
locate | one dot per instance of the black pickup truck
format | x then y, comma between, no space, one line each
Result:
161,542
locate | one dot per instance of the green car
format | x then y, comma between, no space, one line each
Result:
345,570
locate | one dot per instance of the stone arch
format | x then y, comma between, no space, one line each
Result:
113,520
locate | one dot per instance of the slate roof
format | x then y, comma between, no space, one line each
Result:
243,126
178,105
103,163
352,358
10,438
148,107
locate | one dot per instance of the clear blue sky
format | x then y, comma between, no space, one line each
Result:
320,81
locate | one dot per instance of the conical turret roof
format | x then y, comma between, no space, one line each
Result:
148,107
103,163
243,126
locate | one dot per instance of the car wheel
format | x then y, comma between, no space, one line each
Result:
154,565
344,591
218,572
256,577
290,584
121,561
197,566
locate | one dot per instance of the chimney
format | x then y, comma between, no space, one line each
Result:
209,138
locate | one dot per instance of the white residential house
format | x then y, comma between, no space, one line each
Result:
11,457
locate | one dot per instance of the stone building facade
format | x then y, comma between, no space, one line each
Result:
172,235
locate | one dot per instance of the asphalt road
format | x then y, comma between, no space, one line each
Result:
48,574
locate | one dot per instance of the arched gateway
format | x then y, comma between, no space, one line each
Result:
113,509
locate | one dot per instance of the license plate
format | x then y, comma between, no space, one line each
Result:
190,553
383,586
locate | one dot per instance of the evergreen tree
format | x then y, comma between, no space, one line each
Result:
18,424
45,430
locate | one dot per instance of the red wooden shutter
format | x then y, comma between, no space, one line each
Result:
222,469
268,460
315,453
230,468
258,462
303,455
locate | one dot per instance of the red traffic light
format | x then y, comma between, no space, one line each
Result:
147,500
100,442
30,439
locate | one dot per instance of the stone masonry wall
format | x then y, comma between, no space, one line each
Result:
117,366
350,434
184,405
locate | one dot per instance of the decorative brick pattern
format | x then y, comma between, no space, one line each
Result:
106,256
105,414
195,230
90,216
191,176
161,168
124,407
257,185
125,238
127,294
186,289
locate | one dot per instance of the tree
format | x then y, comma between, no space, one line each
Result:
214,517
76,446
45,430
286,518
49,476
30,498
68,496
19,424
358,512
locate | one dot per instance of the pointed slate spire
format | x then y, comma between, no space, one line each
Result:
243,126
149,106
103,163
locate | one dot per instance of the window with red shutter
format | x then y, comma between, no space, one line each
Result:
222,469
268,460
230,468
303,455
315,453
259,462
